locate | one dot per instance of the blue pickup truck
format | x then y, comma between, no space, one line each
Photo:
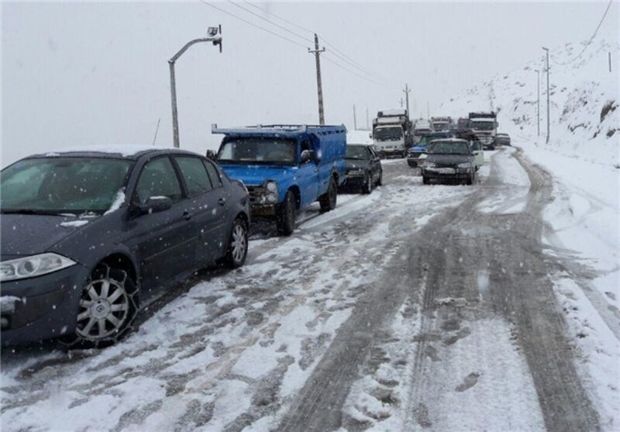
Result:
285,167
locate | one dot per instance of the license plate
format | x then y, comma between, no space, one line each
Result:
446,170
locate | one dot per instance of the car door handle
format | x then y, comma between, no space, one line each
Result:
187,215
221,201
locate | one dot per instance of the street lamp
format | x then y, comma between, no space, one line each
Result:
215,37
548,110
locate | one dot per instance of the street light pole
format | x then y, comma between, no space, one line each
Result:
216,40
548,105
537,101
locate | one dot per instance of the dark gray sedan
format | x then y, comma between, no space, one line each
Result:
86,234
449,159
363,168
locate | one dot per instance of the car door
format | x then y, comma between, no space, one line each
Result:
164,241
203,204
220,208
308,177
374,164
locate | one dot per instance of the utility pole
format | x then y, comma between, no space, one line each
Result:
548,106
537,101
354,119
317,52
367,119
213,33
407,91
609,57
428,109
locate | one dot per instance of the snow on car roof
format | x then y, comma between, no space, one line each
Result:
119,149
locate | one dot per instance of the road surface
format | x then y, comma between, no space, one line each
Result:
413,308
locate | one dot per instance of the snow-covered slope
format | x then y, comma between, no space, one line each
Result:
585,119
583,158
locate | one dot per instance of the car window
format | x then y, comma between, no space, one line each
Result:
195,174
214,175
158,178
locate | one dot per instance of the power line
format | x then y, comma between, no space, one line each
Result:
591,38
334,50
252,24
288,40
271,22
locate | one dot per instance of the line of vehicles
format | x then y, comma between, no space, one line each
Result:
89,234
393,133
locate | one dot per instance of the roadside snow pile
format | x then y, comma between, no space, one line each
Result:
585,119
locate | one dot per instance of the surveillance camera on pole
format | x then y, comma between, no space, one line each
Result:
214,36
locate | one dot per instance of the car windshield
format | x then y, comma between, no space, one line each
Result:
388,133
449,147
62,185
357,152
483,125
258,150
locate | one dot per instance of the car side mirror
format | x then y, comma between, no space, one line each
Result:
211,154
155,204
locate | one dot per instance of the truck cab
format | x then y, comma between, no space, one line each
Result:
392,132
285,167
484,125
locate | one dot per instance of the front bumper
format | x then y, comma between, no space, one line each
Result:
43,307
354,181
447,173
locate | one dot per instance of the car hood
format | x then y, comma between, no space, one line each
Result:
256,175
24,235
449,159
355,164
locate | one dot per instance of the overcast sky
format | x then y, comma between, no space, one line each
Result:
96,73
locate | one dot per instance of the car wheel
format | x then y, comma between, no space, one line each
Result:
328,199
471,179
425,180
380,180
238,249
108,306
367,188
287,215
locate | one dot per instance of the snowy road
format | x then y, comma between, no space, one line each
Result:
414,308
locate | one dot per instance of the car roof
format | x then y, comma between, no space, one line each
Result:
131,151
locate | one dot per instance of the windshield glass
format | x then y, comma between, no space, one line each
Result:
258,150
440,125
357,152
62,185
388,133
483,125
448,147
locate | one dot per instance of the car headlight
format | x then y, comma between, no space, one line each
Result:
463,165
430,165
271,194
36,265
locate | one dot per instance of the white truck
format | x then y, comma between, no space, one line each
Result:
392,133
484,125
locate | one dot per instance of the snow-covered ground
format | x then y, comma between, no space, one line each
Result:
583,219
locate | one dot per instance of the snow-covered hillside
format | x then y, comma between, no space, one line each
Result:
585,121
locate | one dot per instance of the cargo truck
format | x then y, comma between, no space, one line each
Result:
392,133
484,125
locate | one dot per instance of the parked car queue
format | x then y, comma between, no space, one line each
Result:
90,234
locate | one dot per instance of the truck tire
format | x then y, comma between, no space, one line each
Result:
425,180
287,213
328,199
